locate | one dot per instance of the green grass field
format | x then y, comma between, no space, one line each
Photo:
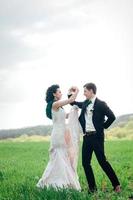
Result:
22,164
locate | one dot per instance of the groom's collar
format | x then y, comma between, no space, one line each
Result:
93,99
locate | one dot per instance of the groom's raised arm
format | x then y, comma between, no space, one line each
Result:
77,103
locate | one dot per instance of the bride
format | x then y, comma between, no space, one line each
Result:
61,170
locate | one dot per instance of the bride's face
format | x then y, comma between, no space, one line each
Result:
58,94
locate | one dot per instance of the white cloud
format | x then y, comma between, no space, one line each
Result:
64,42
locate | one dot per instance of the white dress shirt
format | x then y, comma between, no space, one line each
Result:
89,114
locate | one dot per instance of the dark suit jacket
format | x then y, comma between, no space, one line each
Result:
100,110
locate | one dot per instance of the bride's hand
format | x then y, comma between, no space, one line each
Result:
73,90
77,90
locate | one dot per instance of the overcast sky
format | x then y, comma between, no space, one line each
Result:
68,42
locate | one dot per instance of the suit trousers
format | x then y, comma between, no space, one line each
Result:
94,143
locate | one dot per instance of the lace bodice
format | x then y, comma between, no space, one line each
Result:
58,117
59,127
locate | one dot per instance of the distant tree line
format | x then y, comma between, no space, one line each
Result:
37,130
122,127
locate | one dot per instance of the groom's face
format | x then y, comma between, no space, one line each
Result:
88,93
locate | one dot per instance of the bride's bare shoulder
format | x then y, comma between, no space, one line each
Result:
55,106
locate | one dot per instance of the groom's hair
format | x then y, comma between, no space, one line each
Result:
91,86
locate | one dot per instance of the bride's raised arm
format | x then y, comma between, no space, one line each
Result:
70,92
61,103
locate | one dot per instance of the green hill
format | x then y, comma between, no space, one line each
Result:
29,131
121,128
122,120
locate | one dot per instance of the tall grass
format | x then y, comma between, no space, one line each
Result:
22,164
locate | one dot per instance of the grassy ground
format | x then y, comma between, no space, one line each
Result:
22,164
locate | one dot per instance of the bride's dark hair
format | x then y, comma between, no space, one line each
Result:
49,93
50,99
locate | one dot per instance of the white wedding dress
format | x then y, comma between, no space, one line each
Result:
61,170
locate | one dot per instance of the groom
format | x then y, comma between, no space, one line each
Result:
92,120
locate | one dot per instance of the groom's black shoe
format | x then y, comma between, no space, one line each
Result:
131,197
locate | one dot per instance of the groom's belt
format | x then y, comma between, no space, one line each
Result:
90,132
